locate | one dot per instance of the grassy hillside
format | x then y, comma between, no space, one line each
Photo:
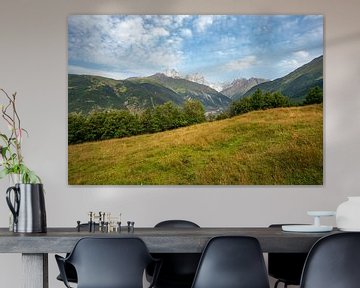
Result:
86,93
296,84
278,146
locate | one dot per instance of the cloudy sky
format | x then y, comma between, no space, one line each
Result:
221,48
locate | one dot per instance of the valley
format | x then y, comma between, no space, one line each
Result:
87,93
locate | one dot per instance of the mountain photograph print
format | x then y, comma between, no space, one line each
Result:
195,100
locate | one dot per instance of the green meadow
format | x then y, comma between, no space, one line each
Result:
282,146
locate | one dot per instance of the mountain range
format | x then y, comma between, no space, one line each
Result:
189,90
195,77
86,92
294,85
241,86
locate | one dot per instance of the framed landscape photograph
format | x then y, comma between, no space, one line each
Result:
195,100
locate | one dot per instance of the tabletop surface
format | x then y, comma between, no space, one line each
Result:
158,240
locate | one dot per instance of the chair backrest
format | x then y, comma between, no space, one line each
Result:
333,262
286,267
110,262
176,224
232,262
178,269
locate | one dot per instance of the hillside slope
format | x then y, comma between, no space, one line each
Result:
86,92
282,146
210,98
296,84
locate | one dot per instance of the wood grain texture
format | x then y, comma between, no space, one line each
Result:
158,240
35,270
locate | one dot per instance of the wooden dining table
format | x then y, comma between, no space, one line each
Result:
35,247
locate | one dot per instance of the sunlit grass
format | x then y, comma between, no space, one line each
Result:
277,146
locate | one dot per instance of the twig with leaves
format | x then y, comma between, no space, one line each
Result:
12,160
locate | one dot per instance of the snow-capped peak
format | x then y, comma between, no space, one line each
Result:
195,77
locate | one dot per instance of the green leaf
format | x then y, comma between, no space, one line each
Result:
4,173
5,138
28,176
26,132
33,177
3,151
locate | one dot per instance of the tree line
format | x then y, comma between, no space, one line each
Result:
260,100
118,123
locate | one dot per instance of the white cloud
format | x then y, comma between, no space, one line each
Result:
178,20
203,22
167,21
187,33
135,44
314,36
296,60
72,69
127,32
159,32
162,20
301,54
131,43
241,64
289,64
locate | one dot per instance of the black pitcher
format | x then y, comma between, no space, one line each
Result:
28,207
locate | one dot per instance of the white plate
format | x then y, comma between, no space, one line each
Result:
306,228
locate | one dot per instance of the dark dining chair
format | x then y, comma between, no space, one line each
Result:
286,267
333,262
70,271
108,263
178,269
232,262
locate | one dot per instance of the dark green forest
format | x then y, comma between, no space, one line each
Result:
260,100
117,123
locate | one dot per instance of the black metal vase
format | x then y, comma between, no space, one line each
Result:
27,204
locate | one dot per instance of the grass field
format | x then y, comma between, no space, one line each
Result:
281,146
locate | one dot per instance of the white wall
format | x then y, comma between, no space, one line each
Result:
33,62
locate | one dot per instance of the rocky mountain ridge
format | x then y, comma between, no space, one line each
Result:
294,85
241,86
86,92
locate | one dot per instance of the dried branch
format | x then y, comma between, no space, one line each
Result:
11,156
